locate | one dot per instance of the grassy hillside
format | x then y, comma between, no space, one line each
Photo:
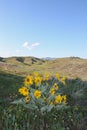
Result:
70,67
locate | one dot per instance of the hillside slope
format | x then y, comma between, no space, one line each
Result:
71,67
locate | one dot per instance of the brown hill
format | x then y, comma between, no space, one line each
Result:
71,67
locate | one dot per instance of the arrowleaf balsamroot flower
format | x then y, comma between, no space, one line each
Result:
46,76
55,86
57,76
52,91
28,80
63,79
58,99
49,91
37,94
44,98
64,98
24,91
36,74
27,98
51,102
38,80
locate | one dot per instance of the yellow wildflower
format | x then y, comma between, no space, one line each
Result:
52,91
57,76
58,99
37,94
36,74
45,99
24,91
27,98
63,79
28,80
64,98
55,86
38,80
51,102
20,90
46,76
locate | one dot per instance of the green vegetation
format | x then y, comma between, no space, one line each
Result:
16,117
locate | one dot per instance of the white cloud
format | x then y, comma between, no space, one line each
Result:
35,44
18,51
26,44
30,46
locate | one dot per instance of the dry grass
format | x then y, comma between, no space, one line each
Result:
70,67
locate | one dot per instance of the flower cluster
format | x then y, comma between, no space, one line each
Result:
43,89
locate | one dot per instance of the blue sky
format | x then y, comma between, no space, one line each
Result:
43,28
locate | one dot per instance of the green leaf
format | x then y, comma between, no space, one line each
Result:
44,109
50,108
20,101
32,95
30,106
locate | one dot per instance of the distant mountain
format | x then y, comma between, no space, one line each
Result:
1,58
69,66
48,58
